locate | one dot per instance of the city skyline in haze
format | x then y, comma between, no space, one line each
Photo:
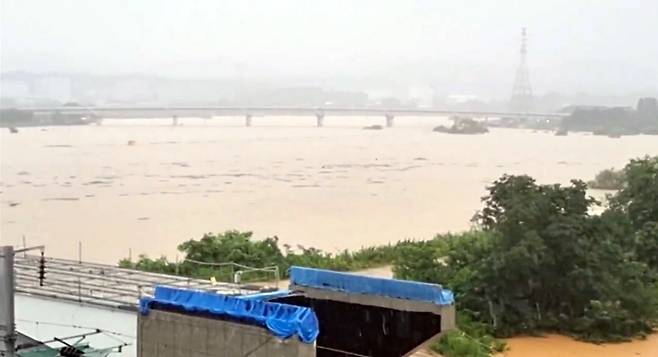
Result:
470,47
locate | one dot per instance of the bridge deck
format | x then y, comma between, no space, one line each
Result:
287,111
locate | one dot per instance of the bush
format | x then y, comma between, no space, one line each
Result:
457,344
472,339
240,248
608,179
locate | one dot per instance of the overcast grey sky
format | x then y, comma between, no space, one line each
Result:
602,46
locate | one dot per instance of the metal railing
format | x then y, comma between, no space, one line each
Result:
242,270
101,284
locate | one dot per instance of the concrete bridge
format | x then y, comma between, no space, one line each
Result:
320,113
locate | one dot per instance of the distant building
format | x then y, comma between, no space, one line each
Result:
570,109
460,98
10,88
422,95
647,110
389,102
614,121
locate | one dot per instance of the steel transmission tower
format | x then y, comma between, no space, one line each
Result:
521,100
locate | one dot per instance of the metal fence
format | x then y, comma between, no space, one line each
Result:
101,284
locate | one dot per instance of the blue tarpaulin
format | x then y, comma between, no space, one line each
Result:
282,320
359,284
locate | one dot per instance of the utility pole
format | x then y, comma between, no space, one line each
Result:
7,321
521,100
7,293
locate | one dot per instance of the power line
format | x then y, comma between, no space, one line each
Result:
341,351
55,324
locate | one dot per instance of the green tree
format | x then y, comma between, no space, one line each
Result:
639,198
538,261
638,202
608,179
214,255
543,262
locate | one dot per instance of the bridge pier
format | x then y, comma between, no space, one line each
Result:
389,120
174,120
247,120
319,119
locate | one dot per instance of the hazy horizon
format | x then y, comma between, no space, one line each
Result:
597,47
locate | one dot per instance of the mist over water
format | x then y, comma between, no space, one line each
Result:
142,186
145,186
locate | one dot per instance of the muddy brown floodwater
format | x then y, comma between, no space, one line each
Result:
145,186
562,346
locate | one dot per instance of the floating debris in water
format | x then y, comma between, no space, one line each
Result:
192,177
373,127
97,182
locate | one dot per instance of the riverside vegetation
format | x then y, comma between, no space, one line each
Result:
536,261
463,126
239,247
608,179
615,122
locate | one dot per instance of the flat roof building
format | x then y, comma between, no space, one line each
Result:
324,314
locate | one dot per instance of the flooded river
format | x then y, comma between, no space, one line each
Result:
561,346
143,186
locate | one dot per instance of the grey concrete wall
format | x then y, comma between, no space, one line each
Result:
168,334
